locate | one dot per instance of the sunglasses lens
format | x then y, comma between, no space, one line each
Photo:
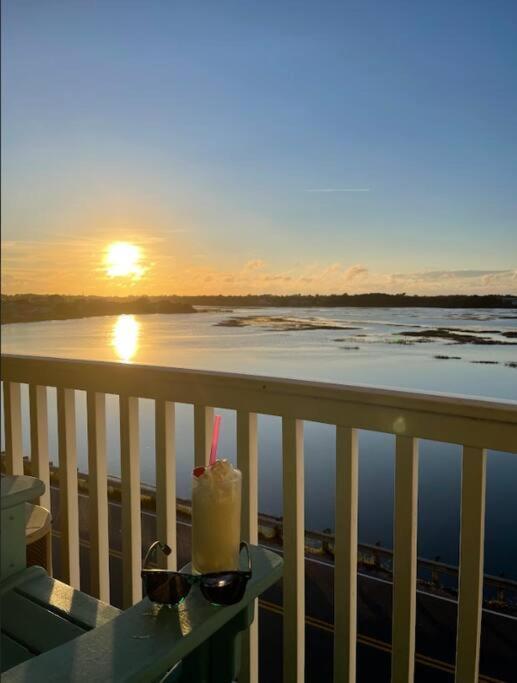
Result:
166,589
224,589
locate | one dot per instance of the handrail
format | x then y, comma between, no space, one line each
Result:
486,423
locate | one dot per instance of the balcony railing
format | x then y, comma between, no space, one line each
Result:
476,425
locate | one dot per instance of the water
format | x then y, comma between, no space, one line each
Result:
374,353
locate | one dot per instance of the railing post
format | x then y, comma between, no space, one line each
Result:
68,493
404,560
203,427
98,496
166,481
294,551
131,504
345,557
13,428
39,440
472,536
247,462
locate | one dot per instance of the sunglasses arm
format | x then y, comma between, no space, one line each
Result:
162,546
244,546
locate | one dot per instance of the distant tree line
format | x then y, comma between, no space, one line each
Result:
374,299
34,307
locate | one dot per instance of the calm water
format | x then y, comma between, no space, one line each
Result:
372,353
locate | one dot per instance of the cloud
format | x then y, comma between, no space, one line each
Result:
497,277
467,281
355,272
277,278
489,278
339,189
256,264
447,275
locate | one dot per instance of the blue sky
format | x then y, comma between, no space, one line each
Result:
207,132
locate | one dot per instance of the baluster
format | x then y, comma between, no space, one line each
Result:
131,521
13,428
247,462
68,493
166,480
345,556
98,496
203,428
472,536
294,550
404,559
39,440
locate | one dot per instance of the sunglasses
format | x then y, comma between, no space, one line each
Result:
171,588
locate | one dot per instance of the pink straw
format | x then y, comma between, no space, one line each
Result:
215,439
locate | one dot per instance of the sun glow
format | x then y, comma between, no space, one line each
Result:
124,260
124,337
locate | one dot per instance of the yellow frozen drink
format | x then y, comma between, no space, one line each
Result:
216,517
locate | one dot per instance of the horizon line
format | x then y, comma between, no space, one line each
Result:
262,294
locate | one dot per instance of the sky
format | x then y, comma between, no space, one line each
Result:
243,147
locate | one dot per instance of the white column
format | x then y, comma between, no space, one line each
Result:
345,556
68,493
131,521
294,551
404,560
39,440
472,544
98,496
203,428
166,481
13,428
247,462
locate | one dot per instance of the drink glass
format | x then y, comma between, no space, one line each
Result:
216,518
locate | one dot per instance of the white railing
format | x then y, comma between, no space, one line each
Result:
475,424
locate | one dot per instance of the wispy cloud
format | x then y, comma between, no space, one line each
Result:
333,268
277,278
256,264
455,281
355,272
338,189
443,275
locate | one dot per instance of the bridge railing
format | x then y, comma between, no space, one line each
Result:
477,425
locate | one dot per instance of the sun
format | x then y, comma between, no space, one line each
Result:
123,259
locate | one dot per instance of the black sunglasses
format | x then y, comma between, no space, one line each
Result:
170,588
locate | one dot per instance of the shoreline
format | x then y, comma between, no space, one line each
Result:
20,308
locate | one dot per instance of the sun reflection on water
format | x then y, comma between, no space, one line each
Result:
124,337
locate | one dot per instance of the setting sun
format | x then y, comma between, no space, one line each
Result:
123,260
